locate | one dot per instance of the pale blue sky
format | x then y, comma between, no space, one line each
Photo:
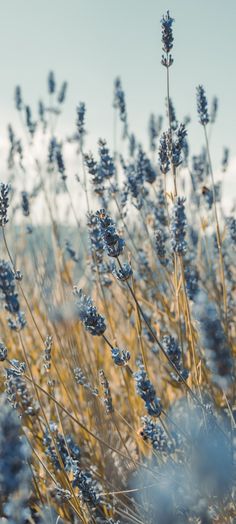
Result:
89,42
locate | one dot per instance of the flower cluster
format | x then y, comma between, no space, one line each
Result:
80,120
7,287
113,243
202,106
25,203
62,450
178,227
123,272
160,247
173,351
119,103
147,392
4,203
93,322
51,83
232,229
107,392
213,339
167,39
156,435
120,357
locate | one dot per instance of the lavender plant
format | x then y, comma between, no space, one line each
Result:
117,406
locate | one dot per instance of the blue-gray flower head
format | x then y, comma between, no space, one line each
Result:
231,223
18,98
25,203
80,120
3,352
62,93
122,273
160,247
4,203
7,287
14,452
156,435
167,38
167,32
164,161
147,392
93,322
51,83
120,357
202,106
113,243
178,227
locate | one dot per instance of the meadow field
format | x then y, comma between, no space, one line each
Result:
117,317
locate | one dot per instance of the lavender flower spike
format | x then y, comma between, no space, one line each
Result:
178,227
93,322
202,106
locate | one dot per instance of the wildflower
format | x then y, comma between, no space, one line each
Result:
213,339
25,203
41,111
159,207
153,133
107,392
146,169
3,352
62,93
171,114
47,352
17,391
114,245
147,392
66,451
95,236
167,39
132,144
134,185
158,438
164,161
87,312
120,357
80,120
51,83
7,287
18,98
18,323
173,351
177,144
214,110
231,222
52,150
122,273
82,381
106,162
29,122
14,452
192,278
60,162
202,106
225,159
178,227
88,487
4,203
96,173
160,247
119,103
